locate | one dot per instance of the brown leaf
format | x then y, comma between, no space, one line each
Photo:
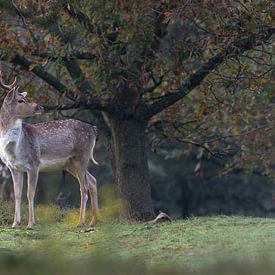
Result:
161,217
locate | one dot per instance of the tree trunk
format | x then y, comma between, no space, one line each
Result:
132,176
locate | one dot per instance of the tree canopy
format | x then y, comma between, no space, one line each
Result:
196,71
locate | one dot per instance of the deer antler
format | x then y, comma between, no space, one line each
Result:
5,86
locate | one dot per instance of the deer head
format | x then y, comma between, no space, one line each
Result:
16,102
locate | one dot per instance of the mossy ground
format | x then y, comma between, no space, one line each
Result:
195,244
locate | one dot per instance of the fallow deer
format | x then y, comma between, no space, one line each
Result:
46,146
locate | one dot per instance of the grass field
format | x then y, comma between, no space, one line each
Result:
201,245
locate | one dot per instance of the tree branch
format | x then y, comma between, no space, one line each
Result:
160,29
94,105
38,70
78,76
203,146
72,56
82,18
72,66
85,21
54,107
237,47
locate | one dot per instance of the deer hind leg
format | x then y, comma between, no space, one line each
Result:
77,171
17,186
84,197
32,183
91,183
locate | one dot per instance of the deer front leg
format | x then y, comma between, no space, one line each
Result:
17,178
32,183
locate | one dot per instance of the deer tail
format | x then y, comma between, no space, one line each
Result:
93,160
92,151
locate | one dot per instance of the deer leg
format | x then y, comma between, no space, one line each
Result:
32,183
91,183
17,178
84,197
81,177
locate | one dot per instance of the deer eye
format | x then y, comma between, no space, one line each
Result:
21,101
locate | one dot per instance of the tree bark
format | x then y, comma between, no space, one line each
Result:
132,175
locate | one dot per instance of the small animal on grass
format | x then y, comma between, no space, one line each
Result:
29,148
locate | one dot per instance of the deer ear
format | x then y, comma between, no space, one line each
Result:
24,94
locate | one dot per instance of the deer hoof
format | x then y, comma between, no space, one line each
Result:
93,222
30,227
95,219
15,225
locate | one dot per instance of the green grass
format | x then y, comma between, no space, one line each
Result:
196,244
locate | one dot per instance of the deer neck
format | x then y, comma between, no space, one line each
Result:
9,123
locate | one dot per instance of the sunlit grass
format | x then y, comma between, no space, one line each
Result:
195,244
46,214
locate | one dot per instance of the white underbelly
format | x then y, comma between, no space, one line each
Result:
52,164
